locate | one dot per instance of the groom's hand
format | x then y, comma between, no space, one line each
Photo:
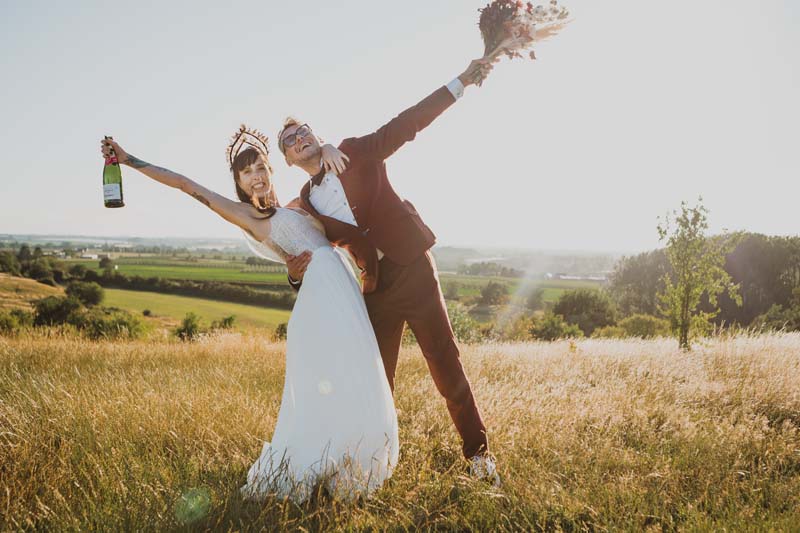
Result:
297,265
477,71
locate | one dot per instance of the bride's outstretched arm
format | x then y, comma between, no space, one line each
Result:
234,212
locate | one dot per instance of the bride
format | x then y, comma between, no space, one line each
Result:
337,424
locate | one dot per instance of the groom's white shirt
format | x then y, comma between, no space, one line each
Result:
329,199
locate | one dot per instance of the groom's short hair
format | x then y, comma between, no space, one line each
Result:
287,123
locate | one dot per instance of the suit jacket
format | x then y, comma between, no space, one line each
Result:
385,220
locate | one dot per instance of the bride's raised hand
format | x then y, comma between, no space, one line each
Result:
107,145
334,159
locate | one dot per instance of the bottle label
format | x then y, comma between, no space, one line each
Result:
112,191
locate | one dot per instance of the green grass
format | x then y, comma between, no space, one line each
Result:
470,286
231,272
176,307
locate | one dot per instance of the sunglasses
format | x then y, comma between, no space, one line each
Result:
290,140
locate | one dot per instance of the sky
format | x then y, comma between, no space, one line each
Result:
635,107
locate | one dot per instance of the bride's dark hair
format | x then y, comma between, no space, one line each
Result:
242,160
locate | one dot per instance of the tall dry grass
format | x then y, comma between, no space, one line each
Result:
594,435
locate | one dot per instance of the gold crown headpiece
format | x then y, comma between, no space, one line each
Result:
247,137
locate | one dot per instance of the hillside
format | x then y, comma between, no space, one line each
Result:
19,292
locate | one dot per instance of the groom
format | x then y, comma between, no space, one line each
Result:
391,245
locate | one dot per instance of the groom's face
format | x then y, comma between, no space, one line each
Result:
305,145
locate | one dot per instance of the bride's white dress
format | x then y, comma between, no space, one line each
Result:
337,422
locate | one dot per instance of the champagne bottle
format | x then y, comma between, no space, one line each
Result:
112,181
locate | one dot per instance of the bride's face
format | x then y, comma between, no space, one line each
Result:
255,178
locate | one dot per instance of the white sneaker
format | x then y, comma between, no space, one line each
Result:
483,467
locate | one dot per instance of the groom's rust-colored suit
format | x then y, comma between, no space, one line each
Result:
404,285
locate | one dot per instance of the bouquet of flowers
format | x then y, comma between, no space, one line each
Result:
511,26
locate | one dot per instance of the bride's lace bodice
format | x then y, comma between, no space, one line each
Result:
295,232
290,233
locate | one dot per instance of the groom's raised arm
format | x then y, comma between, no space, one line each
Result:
405,126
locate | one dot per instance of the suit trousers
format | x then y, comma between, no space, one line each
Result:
412,294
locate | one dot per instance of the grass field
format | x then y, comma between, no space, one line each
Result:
229,272
590,436
176,307
470,286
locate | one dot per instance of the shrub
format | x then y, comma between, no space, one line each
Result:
645,326
107,323
77,271
54,310
24,318
494,293
552,326
280,332
609,332
224,323
589,309
779,318
451,290
516,330
465,328
9,263
10,323
535,300
189,329
88,293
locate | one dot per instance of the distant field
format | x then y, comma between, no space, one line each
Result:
239,272
229,272
176,307
472,285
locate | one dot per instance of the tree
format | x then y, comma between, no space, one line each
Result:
697,272
636,281
552,327
451,290
494,293
77,271
41,271
24,253
106,264
535,299
87,292
589,309
9,263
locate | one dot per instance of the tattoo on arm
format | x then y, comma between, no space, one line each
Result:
137,163
202,199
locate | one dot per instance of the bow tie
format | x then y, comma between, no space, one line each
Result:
317,178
